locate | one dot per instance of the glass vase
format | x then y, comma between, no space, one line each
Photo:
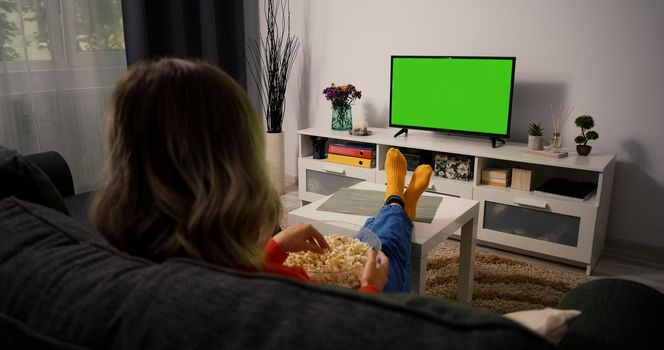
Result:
556,145
342,117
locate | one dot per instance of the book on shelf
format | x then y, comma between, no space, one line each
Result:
496,173
496,182
569,189
500,177
347,160
352,150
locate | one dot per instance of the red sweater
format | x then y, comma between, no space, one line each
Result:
274,263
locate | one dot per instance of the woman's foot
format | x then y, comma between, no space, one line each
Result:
395,169
418,184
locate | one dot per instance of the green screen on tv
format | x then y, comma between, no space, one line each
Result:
457,94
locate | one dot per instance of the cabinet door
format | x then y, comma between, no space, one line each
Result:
533,223
555,227
319,178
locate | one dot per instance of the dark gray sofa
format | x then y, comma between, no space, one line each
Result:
62,286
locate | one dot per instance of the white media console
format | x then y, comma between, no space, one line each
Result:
549,226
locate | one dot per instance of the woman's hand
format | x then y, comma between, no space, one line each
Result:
375,270
299,237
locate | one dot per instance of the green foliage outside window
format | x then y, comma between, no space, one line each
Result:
8,31
97,26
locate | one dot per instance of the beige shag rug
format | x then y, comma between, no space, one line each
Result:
501,284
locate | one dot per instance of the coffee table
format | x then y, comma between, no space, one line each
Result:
452,214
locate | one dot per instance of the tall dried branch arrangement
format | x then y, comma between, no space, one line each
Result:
270,62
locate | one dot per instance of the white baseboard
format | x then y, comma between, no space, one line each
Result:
290,179
635,246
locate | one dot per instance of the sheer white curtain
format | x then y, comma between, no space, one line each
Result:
59,62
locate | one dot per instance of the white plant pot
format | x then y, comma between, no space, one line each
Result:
535,142
274,154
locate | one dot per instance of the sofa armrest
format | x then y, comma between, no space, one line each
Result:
56,168
615,314
25,180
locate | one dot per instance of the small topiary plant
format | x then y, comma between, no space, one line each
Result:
585,122
535,129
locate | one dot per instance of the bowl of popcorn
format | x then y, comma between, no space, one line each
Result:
343,263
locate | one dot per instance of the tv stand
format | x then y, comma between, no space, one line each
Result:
521,219
494,139
402,131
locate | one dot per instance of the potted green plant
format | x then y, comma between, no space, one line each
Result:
585,122
270,62
535,136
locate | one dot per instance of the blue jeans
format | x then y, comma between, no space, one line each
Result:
395,230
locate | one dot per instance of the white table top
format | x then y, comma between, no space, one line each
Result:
451,215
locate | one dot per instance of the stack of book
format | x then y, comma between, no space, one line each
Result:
355,154
497,177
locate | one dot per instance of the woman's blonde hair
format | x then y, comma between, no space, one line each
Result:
186,173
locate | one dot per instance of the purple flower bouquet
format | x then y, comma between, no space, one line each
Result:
342,97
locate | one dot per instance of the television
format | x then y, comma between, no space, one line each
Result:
455,94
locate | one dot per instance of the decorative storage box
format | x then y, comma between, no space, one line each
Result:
522,179
454,166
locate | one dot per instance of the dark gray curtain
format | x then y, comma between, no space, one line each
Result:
207,29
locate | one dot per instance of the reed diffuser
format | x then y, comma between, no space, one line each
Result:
559,118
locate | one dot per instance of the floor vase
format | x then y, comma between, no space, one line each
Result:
274,154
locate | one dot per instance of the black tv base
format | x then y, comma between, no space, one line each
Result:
402,131
494,139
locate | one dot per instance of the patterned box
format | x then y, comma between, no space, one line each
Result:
454,166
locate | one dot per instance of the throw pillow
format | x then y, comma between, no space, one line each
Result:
23,179
549,323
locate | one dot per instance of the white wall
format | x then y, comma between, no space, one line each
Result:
604,57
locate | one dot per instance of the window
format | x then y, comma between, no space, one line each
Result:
98,25
24,30
61,34
59,62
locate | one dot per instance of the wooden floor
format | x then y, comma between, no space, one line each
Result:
619,260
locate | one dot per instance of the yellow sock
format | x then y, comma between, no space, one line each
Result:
418,184
395,169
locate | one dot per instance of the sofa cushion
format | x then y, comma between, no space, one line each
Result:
64,287
550,323
21,178
78,206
